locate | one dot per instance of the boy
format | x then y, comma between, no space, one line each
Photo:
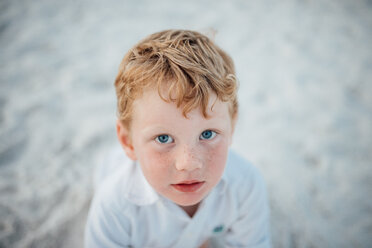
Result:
178,185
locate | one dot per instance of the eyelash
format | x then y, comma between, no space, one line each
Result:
169,139
212,135
163,135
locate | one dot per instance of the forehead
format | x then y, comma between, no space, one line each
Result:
150,107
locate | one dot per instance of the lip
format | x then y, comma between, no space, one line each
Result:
188,186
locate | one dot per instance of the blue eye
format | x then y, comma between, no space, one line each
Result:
164,139
207,134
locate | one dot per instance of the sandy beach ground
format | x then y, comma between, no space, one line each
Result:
305,72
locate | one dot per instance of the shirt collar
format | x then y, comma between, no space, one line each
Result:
137,189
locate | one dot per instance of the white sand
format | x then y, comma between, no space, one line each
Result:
305,69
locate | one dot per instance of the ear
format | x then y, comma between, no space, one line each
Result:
125,140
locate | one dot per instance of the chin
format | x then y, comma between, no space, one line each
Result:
187,201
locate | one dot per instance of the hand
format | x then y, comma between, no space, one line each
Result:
205,244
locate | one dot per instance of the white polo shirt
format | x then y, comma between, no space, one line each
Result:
127,212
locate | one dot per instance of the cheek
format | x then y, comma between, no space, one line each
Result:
155,163
217,157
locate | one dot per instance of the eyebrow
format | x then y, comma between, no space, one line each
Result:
153,129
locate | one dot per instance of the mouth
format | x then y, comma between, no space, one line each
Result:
188,186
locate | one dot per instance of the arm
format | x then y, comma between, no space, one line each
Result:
205,244
105,227
251,228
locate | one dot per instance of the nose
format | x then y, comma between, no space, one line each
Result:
188,160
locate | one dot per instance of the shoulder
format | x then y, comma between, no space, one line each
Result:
239,169
247,196
112,182
109,219
110,194
242,176
120,183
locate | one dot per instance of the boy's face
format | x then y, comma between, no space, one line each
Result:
181,158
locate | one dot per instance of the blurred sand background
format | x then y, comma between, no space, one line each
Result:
305,71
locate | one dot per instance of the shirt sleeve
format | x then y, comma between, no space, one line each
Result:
107,226
251,228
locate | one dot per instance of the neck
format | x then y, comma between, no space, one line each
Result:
190,210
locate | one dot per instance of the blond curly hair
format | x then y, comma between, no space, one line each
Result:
185,63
